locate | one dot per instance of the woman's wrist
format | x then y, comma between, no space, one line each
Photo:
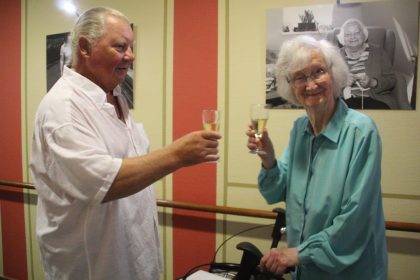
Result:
268,164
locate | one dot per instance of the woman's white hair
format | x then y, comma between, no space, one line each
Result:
353,21
92,25
294,55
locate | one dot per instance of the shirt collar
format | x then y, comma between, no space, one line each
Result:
332,131
96,93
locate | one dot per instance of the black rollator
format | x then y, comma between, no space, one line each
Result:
248,269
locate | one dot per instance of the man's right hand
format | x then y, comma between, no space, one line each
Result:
196,147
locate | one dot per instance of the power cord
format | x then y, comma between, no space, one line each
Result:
236,234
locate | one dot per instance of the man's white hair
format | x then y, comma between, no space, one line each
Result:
92,25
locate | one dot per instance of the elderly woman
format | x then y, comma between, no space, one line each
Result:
371,72
328,175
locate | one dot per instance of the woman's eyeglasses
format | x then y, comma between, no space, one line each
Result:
301,80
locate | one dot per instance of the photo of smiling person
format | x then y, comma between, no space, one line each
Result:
371,73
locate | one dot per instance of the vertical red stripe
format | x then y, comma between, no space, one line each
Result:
195,88
11,202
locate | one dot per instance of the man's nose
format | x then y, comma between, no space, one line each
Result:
129,54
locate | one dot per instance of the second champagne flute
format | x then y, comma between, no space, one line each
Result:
259,118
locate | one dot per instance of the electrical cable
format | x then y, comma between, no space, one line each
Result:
236,234
192,270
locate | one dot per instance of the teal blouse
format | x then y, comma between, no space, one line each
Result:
331,184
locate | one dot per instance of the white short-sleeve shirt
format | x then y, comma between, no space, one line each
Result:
78,147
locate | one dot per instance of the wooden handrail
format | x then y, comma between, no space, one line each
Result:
390,225
217,209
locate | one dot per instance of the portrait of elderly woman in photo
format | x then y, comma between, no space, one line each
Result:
329,174
371,73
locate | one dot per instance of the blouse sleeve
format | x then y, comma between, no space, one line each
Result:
272,182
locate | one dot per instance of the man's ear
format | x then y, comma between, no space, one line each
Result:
84,46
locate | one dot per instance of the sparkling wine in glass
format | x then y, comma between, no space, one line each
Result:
259,118
211,120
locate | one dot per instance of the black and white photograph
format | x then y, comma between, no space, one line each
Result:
59,54
378,41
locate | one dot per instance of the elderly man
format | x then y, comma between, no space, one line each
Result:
97,216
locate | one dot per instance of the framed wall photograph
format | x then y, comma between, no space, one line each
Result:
58,55
390,31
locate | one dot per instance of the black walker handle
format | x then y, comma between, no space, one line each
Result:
251,256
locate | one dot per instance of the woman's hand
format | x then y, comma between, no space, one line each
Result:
363,80
264,143
277,260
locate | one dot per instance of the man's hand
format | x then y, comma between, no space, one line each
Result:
196,147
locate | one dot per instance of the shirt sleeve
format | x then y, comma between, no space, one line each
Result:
272,183
341,244
80,163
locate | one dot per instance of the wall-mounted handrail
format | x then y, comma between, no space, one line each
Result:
390,225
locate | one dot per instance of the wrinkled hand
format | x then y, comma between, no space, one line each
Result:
277,260
363,79
197,147
268,158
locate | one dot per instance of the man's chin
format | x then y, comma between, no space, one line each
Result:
120,76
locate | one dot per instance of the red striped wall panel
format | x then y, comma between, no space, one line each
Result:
11,201
194,89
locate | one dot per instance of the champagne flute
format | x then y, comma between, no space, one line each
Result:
211,121
259,118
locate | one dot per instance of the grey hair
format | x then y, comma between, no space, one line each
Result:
340,35
294,55
92,25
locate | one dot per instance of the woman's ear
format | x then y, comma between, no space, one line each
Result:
84,46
